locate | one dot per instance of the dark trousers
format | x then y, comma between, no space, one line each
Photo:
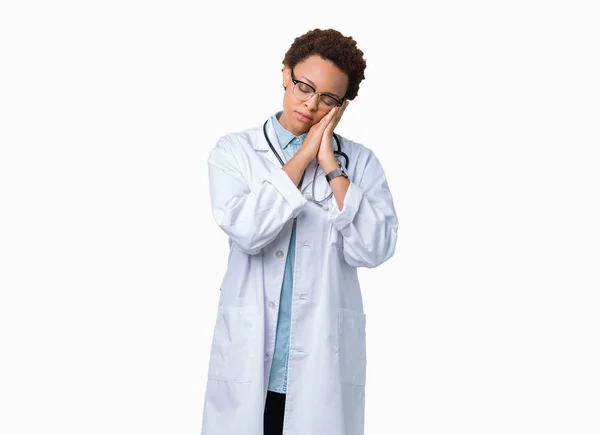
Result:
273,416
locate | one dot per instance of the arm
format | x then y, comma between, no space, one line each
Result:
367,221
251,217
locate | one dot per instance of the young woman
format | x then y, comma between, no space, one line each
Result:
303,207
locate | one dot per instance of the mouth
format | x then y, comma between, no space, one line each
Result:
302,117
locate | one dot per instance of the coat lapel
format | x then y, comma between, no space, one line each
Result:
262,146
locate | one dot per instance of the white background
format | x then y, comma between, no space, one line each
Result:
485,116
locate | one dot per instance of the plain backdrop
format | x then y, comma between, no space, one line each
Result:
485,116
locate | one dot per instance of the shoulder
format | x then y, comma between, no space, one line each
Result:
237,141
360,153
242,137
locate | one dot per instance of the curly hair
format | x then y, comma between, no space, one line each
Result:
330,45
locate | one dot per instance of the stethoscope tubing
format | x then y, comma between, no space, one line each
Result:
338,152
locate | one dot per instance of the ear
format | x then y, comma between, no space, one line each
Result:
286,78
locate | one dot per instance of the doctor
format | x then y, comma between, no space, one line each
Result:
303,207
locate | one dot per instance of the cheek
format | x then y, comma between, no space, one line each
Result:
317,119
289,101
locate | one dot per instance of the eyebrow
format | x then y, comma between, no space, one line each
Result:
314,86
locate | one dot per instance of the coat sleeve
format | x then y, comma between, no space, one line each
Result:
367,221
251,216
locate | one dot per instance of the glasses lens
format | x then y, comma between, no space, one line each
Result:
328,101
303,91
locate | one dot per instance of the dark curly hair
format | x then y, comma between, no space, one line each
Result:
330,45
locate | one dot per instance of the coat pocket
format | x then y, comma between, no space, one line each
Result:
232,350
352,346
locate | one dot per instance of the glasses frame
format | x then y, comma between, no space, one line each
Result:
339,102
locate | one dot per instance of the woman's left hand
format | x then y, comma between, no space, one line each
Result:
325,156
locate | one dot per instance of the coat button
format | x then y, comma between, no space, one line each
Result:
272,304
279,254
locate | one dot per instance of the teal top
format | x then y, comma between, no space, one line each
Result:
278,377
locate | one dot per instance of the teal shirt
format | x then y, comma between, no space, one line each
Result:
278,377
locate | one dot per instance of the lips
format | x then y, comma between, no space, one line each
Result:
302,117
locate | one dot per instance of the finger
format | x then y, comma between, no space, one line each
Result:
343,108
329,128
341,112
338,115
324,122
331,114
346,103
328,116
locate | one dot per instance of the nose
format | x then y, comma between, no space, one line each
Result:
313,102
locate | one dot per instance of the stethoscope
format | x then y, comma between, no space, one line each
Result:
337,153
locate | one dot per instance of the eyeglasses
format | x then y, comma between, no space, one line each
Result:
304,91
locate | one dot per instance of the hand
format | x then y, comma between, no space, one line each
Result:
312,142
325,155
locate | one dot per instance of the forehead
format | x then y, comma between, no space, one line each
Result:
322,74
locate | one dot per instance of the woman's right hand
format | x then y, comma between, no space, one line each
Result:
312,142
308,150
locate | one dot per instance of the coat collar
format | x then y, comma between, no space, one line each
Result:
262,146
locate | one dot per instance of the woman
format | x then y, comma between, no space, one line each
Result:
289,351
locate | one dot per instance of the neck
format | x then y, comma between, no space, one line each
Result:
285,124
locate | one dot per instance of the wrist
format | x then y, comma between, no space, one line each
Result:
329,164
303,156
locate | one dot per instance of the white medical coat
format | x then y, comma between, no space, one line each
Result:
254,201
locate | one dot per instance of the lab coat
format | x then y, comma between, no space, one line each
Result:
254,201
